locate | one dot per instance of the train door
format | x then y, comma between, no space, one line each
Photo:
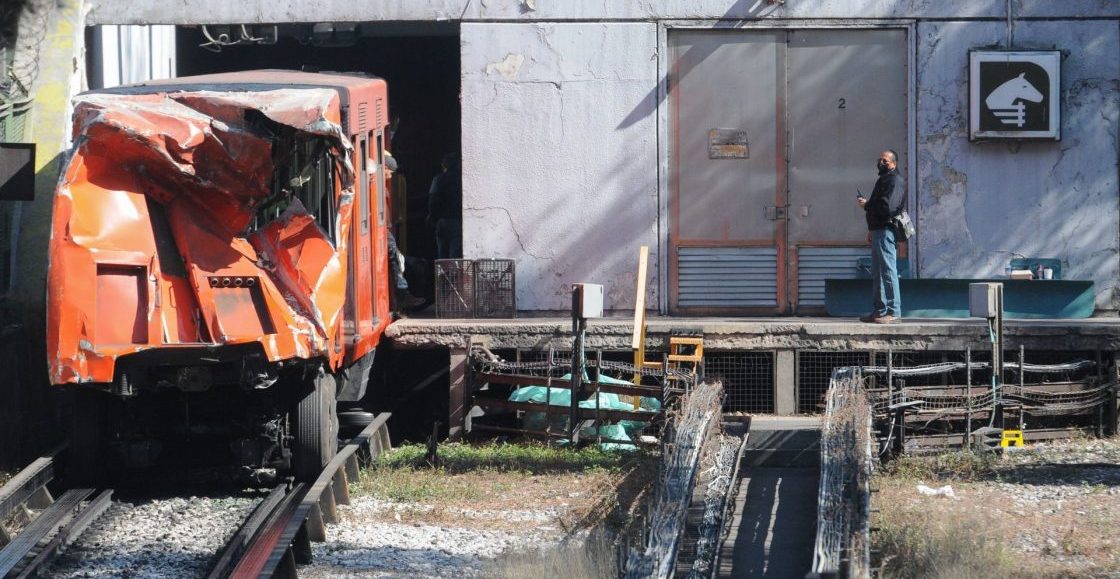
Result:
771,133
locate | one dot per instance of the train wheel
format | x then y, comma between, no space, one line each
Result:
316,428
87,437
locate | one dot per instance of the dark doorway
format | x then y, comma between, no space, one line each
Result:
420,62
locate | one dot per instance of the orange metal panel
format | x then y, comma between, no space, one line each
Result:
153,242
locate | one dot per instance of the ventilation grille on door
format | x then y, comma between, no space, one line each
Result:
727,277
816,264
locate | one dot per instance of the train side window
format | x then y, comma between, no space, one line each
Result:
363,185
305,170
380,179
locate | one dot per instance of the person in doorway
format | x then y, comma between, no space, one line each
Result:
885,198
445,208
403,300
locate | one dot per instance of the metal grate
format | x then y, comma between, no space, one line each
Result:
454,289
816,264
814,371
727,277
494,288
748,379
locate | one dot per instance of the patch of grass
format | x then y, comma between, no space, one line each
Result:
408,485
468,473
950,466
533,458
916,544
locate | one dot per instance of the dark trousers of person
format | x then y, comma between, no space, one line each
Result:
449,239
886,299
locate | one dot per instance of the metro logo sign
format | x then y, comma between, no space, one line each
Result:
1014,94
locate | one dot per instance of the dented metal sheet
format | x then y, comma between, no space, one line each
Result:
201,217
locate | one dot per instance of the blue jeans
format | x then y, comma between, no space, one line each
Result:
885,296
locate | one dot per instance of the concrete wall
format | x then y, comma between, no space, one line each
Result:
982,203
223,11
560,155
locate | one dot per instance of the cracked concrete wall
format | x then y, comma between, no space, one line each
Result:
560,155
222,11
982,203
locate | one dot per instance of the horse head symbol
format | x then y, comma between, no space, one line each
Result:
1006,94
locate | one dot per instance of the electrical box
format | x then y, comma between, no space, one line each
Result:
587,300
983,299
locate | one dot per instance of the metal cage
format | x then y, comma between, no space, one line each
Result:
455,288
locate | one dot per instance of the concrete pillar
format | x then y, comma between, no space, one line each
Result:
60,69
785,382
457,393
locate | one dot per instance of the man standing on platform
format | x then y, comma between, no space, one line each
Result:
879,209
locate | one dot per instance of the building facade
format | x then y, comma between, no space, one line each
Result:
731,136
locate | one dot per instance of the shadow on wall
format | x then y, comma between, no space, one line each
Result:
739,13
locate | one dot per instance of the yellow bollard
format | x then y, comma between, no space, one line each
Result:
1012,438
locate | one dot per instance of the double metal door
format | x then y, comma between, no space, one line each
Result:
772,132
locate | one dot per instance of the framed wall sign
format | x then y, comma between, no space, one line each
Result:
1015,94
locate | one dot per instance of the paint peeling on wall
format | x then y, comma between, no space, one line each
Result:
982,204
507,67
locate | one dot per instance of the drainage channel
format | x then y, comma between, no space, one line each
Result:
775,515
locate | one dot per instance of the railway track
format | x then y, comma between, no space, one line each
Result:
271,541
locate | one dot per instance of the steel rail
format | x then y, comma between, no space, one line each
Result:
303,511
30,484
49,521
68,533
224,565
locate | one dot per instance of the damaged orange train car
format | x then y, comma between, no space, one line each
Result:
219,267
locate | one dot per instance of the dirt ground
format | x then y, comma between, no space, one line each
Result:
1049,510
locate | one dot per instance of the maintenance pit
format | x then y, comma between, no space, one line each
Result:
768,365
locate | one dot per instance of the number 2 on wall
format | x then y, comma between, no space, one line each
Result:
843,104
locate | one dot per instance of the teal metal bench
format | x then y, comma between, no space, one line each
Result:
948,298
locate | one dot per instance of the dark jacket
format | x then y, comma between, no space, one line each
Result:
445,198
885,200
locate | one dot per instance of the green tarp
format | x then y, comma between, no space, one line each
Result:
625,430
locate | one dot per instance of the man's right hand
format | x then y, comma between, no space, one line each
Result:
861,201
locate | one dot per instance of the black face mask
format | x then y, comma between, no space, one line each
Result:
882,166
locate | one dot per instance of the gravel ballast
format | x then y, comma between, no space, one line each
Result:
369,541
175,537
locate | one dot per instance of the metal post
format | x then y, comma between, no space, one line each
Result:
968,396
579,326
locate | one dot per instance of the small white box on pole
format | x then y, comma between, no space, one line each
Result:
983,299
587,300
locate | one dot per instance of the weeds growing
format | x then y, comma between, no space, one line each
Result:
950,466
534,458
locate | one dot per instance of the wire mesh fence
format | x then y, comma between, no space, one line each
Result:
747,377
814,372
842,547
